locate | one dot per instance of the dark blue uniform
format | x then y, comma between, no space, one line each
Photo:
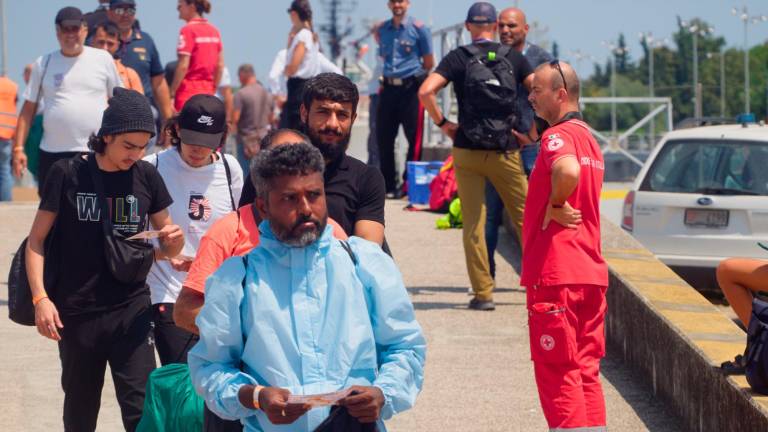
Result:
140,54
402,49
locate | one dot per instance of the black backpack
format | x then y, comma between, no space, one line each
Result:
489,106
756,354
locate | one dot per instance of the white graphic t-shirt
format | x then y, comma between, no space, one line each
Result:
309,66
200,197
75,91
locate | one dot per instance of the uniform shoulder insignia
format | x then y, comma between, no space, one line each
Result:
418,23
554,142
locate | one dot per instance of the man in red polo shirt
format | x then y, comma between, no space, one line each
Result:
563,269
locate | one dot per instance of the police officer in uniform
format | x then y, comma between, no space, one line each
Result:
405,44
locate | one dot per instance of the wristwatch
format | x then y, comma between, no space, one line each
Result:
442,122
256,391
558,206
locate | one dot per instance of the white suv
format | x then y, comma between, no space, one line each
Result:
702,196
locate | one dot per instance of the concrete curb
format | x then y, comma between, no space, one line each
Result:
677,339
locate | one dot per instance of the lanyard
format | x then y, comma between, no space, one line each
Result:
573,115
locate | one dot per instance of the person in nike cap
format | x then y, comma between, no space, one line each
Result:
205,184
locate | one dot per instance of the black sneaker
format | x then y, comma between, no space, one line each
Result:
482,305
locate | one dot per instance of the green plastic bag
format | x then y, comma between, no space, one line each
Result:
171,403
453,219
32,145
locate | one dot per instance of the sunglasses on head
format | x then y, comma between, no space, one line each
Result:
556,64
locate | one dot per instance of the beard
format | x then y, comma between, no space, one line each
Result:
296,237
331,151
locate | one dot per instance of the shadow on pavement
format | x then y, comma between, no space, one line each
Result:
457,290
639,395
457,306
509,248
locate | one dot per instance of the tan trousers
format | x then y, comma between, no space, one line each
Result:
505,172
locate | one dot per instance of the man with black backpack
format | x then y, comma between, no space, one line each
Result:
486,76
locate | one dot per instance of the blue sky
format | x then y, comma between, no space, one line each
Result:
254,30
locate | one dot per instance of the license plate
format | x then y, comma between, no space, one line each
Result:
706,218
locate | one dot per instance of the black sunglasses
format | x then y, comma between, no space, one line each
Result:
120,11
556,64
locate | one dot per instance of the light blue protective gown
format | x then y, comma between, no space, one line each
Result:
310,321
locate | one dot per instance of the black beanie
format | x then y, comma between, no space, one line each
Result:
128,111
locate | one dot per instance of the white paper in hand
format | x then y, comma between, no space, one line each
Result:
145,235
318,400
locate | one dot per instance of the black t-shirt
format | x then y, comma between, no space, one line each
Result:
353,191
453,66
83,282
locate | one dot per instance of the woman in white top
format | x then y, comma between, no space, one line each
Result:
301,61
205,185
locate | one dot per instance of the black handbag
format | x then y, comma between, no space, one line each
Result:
129,261
341,421
20,307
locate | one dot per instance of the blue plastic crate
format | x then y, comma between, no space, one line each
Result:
420,175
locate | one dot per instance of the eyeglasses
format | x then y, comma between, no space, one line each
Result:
124,11
556,64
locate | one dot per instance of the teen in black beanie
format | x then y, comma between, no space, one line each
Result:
128,111
88,203
127,120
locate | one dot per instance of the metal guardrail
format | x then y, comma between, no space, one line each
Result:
446,39
619,142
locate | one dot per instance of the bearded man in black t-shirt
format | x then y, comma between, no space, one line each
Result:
355,192
81,303
478,158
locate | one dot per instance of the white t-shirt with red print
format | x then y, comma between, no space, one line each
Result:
200,198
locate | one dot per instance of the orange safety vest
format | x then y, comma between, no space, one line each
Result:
8,117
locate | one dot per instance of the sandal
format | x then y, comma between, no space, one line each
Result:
737,366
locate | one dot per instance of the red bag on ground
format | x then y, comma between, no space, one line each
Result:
443,188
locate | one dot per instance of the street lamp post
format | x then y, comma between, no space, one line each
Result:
747,19
697,31
4,34
721,55
579,56
615,50
652,44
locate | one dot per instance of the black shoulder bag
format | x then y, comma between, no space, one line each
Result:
20,307
129,261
